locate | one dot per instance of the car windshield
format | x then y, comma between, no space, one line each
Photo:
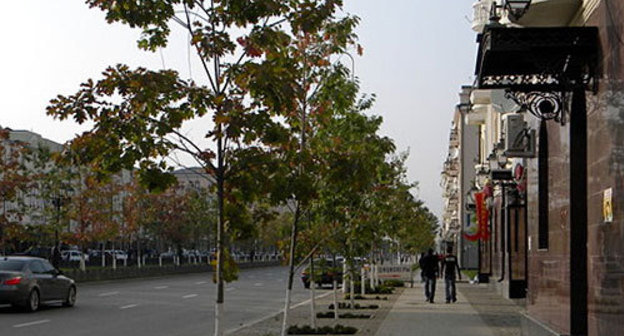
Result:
11,265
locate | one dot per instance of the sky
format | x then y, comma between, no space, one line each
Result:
417,54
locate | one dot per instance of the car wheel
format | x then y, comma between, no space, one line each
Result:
70,300
33,301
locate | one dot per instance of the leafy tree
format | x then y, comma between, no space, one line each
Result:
13,179
243,47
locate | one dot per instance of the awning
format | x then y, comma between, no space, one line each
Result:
536,59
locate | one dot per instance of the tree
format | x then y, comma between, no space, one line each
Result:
138,114
13,178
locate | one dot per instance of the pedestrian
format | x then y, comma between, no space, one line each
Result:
449,265
421,260
430,272
55,257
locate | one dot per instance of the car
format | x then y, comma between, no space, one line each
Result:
73,255
37,251
29,282
119,254
325,273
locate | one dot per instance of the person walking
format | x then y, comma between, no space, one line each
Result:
430,272
449,265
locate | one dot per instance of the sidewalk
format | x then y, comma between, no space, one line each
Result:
477,312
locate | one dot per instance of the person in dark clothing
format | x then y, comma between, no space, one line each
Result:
55,257
449,265
430,272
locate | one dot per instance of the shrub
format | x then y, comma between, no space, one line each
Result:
327,330
344,305
394,283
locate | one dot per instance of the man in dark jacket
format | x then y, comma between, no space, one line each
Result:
430,272
449,265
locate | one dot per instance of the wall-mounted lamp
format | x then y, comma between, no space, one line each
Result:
517,8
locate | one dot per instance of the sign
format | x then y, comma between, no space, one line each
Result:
607,205
398,272
482,216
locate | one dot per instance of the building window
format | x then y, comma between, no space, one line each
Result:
542,167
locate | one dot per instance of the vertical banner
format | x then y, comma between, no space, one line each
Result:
483,215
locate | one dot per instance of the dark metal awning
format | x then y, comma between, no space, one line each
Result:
534,59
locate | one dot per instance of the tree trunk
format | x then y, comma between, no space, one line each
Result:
291,266
335,284
220,236
114,255
363,281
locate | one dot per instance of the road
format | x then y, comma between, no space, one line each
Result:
174,305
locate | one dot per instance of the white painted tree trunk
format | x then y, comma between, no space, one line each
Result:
286,310
363,281
351,291
83,266
312,302
160,261
371,277
103,258
218,314
335,283
344,276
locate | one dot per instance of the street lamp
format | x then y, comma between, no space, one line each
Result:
517,8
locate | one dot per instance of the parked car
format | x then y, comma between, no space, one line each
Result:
73,255
30,281
37,251
119,254
325,272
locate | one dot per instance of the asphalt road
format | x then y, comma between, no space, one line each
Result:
174,305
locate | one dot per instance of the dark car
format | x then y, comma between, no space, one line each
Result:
29,282
325,272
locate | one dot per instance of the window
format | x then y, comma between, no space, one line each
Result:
542,167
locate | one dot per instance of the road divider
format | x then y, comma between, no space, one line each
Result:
190,296
108,294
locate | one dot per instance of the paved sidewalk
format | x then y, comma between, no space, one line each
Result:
477,312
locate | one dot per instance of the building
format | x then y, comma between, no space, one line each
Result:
458,177
548,100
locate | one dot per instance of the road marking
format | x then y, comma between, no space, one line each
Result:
281,311
229,289
201,282
161,287
258,284
190,296
109,294
128,306
30,323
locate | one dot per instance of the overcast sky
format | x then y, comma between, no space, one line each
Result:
417,54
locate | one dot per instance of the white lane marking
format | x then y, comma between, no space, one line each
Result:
128,306
229,289
258,284
190,296
109,294
161,287
201,282
30,323
281,311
